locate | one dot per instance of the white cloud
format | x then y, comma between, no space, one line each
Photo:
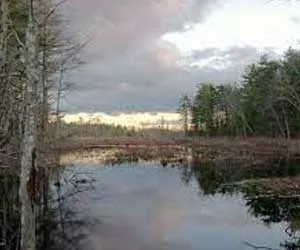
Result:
257,23
214,62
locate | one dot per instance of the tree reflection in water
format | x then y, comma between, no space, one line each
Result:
9,212
62,221
268,203
59,227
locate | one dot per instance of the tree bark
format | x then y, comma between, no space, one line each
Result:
28,168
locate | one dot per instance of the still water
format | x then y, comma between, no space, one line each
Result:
144,206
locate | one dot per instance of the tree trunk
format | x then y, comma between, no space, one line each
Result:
4,93
59,92
28,153
281,129
27,183
186,117
287,126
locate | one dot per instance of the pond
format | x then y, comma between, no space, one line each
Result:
144,206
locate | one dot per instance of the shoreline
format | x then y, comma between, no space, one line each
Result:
242,151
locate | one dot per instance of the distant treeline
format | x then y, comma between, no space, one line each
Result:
265,103
96,130
110,131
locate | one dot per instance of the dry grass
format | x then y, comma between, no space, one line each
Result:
244,151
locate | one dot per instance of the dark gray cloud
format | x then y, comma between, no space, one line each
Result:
129,67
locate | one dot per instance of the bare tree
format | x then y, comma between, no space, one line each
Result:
32,54
28,151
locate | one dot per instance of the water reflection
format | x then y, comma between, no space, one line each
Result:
9,213
270,204
142,205
58,223
211,176
145,206
64,223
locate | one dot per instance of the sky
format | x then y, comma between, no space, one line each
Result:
142,55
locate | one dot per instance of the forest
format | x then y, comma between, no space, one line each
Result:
266,102
35,54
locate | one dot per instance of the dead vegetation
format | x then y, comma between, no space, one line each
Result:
244,152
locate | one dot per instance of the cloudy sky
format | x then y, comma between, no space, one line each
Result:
143,54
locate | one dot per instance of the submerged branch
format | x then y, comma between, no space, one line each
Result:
259,247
